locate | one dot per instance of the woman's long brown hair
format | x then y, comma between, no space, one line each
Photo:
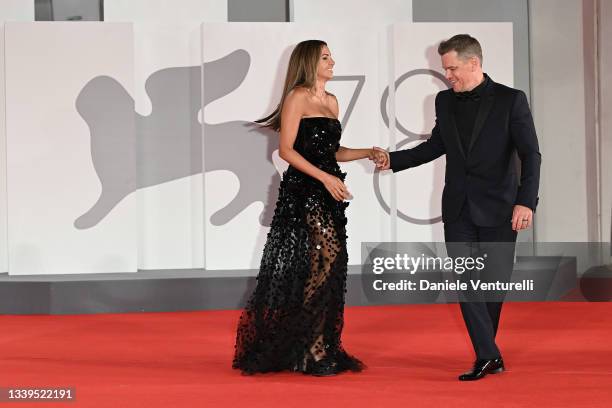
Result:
302,71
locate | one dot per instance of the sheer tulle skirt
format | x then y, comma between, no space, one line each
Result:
294,319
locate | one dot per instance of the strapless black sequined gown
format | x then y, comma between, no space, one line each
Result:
294,319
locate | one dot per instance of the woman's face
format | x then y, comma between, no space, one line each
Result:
326,64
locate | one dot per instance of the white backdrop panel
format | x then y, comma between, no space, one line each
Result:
167,37
166,11
10,10
238,177
419,190
350,11
168,134
70,124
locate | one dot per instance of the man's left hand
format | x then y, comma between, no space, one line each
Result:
522,217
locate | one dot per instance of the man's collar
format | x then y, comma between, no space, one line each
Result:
476,93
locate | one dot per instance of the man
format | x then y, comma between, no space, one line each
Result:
480,125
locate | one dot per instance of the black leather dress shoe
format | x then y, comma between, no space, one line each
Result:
482,368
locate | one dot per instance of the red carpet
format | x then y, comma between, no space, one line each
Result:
557,355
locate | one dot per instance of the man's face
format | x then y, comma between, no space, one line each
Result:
462,74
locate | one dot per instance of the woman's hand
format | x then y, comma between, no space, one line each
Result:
335,186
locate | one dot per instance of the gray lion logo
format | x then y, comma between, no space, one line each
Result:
130,151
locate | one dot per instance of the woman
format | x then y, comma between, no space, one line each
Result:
294,319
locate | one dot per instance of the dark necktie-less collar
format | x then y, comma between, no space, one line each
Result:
474,94
467,96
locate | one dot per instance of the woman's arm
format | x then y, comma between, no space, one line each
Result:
291,115
345,154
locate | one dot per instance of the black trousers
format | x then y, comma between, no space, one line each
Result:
481,312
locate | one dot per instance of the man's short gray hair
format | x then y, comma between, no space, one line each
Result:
465,45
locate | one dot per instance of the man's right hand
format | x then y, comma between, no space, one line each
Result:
381,159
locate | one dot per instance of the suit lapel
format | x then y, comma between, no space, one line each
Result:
483,112
453,123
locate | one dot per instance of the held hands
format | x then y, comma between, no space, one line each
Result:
380,157
336,187
522,217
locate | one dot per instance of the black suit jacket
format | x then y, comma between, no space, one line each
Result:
485,175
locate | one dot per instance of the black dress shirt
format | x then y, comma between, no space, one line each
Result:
466,110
